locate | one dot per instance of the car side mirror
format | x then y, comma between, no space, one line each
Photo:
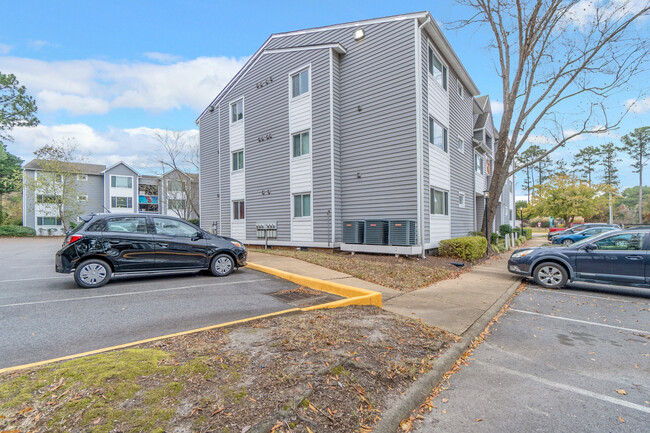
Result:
197,236
591,247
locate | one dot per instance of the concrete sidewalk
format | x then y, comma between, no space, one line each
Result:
453,305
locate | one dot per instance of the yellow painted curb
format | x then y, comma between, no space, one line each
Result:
355,295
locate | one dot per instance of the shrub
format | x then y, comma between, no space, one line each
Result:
528,232
194,221
494,238
505,229
16,231
470,248
496,248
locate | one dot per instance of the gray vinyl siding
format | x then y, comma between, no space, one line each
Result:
120,170
480,211
223,169
424,63
29,202
209,169
462,164
336,78
93,188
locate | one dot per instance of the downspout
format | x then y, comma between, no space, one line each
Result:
418,129
332,173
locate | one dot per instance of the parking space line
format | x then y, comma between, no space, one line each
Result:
129,293
566,387
588,296
579,321
32,279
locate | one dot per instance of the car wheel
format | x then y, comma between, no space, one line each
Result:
222,265
92,273
567,242
550,275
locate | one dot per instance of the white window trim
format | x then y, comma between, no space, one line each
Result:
479,155
293,206
462,148
461,90
121,196
304,155
121,187
83,197
437,215
306,67
232,167
83,177
232,215
461,194
243,111
445,76
431,143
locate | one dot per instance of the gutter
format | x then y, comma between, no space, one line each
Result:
418,128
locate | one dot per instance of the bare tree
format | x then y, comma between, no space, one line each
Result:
558,60
180,162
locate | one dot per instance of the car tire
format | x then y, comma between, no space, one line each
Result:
92,274
567,242
222,265
550,275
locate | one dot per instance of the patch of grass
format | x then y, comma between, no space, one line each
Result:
196,366
156,395
405,274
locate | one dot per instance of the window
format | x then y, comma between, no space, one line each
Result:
460,90
82,177
461,199
127,225
121,182
439,202
237,111
237,160
437,69
122,202
174,203
622,242
97,226
478,162
461,145
301,144
82,198
48,199
302,205
174,186
48,221
300,83
48,177
437,134
238,210
169,227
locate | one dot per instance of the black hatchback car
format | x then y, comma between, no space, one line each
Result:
107,244
614,257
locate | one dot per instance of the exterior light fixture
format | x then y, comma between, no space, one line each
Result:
359,34
211,108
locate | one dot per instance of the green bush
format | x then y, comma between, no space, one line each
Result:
505,229
496,248
16,231
194,221
528,232
470,248
494,238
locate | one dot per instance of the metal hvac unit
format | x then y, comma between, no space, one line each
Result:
401,232
353,232
375,232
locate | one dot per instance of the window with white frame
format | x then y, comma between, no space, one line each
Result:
461,145
82,198
300,83
237,111
49,177
300,143
121,182
461,199
238,160
437,134
238,210
48,221
439,202
302,205
48,199
82,177
478,163
460,90
122,202
437,69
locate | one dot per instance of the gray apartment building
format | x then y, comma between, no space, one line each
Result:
372,125
117,188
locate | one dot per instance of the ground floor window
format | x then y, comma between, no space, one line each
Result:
238,210
461,199
302,205
48,221
439,202
122,202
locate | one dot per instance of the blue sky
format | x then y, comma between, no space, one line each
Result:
111,73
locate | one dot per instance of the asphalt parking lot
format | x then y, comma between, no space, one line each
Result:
576,359
44,315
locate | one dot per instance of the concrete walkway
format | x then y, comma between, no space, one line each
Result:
453,305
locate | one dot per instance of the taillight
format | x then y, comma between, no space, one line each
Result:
74,238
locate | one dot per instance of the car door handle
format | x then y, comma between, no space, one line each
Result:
634,257
113,242
161,245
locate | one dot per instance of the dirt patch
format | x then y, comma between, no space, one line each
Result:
321,371
400,273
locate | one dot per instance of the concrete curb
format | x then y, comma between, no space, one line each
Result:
418,392
354,295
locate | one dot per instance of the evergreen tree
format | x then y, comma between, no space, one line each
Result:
637,145
585,163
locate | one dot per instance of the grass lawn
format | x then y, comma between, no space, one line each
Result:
400,273
320,371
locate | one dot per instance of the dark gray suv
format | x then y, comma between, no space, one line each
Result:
614,257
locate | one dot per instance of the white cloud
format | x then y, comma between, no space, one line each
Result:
585,13
4,48
497,107
38,44
162,57
98,86
539,139
135,146
638,106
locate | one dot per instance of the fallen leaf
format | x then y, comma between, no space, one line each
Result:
479,419
308,429
445,400
621,419
27,409
97,421
621,391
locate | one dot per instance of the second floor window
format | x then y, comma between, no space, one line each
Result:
437,134
238,210
300,83
437,69
301,144
121,182
237,160
478,162
48,199
237,111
